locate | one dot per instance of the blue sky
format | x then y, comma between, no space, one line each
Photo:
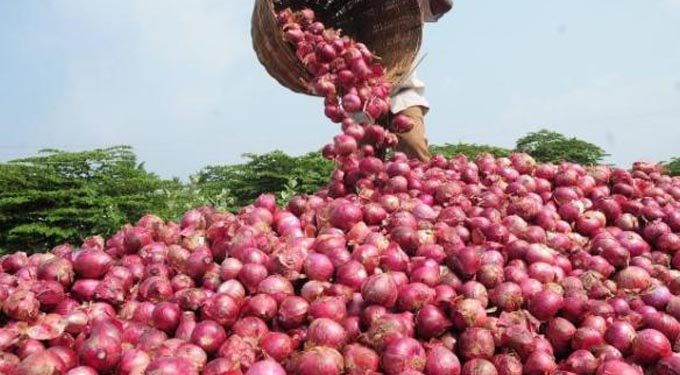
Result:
178,80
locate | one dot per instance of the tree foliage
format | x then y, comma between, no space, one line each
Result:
275,172
547,146
58,197
673,167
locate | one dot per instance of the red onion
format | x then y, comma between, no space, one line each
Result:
620,335
539,363
507,364
101,352
650,346
581,362
479,367
380,289
92,263
403,354
617,367
476,343
41,363
208,335
167,366
260,305
277,346
221,308
292,311
431,321
326,332
266,367
317,360
360,360
21,305
545,304
84,370
221,366
668,366
250,327
318,267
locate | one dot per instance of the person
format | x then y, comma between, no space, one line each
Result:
408,98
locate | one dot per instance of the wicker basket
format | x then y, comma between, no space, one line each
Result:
392,29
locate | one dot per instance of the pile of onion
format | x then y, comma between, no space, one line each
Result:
498,266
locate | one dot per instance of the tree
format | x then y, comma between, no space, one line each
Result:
673,167
547,146
58,197
274,172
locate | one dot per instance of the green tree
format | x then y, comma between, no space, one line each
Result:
547,146
673,167
58,196
237,185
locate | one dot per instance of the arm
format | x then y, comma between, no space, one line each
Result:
434,9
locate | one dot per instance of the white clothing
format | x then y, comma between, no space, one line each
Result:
411,92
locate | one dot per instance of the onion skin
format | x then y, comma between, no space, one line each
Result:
318,360
441,360
381,290
668,366
208,335
403,354
479,366
650,346
360,359
266,368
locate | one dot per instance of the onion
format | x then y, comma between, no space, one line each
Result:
581,362
617,367
133,361
21,305
277,346
317,360
318,267
380,289
360,360
292,311
208,335
507,364
476,343
539,363
266,367
92,263
650,346
101,352
221,308
260,305
402,355
41,363
440,361
250,327
668,366
431,321
620,335
82,370
545,304
167,366
478,367
326,332
222,366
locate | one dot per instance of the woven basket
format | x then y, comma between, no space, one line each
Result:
392,29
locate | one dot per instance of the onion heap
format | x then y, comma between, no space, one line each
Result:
499,266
